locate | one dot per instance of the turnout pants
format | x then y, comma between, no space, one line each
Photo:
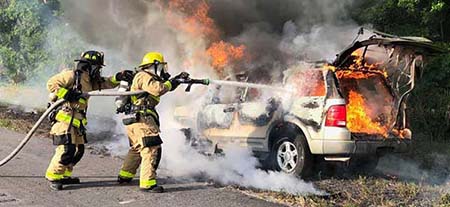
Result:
145,151
69,151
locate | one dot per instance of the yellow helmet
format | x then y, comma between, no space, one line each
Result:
151,58
155,60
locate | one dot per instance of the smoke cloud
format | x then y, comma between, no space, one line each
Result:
433,169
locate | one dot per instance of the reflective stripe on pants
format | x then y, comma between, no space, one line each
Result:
125,174
145,184
62,117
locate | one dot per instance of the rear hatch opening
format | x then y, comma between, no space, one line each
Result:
370,103
375,77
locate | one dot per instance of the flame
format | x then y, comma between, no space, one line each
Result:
222,53
360,64
329,67
355,74
358,119
196,23
358,111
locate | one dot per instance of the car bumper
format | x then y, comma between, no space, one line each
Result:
352,147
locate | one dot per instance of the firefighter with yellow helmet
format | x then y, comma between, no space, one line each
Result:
143,124
68,130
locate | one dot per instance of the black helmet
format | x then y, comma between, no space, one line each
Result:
93,57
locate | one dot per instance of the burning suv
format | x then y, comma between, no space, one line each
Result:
351,110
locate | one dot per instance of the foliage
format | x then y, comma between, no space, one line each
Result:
429,18
430,102
24,28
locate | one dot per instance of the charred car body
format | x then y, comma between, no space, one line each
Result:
353,109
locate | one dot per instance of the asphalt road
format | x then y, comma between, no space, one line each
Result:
22,183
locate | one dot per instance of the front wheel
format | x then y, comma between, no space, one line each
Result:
291,155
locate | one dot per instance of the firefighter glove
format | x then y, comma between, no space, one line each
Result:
125,75
73,95
180,78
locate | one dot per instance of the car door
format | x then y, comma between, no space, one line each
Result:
216,120
256,111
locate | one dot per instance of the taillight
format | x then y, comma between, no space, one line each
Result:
336,116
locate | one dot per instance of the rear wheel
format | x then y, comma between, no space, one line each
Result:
291,155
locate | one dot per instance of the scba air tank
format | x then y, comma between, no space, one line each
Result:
122,100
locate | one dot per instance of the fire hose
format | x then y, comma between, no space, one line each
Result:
92,93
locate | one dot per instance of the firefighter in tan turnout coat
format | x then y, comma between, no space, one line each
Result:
143,123
69,121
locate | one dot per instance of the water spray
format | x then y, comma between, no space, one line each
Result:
249,85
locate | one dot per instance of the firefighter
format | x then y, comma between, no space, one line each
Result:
68,130
143,127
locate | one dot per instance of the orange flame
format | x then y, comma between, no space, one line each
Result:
198,24
355,74
358,119
222,53
361,65
358,112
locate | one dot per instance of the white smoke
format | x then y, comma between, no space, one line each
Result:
237,167
432,168
322,42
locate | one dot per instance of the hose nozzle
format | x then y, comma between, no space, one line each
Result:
205,81
190,82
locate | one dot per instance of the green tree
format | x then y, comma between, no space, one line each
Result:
430,101
22,35
429,18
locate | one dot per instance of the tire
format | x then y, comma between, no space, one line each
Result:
292,156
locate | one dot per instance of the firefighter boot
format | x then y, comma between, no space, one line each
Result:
70,180
56,185
153,189
122,180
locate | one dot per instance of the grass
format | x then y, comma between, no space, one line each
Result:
15,125
5,123
18,120
445,200
358,191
